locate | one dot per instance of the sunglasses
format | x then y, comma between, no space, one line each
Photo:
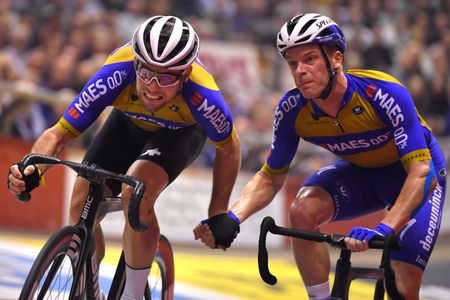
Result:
162,79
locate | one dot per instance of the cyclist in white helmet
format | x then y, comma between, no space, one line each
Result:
388,158
165,105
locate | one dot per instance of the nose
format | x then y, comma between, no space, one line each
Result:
299,69
153,85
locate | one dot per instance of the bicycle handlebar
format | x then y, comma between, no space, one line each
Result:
335,240
94,174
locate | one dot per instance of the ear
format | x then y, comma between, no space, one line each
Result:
338,59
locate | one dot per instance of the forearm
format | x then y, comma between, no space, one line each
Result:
226,168
257,194
51,143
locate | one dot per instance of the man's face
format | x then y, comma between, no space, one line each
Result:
308,69
157,86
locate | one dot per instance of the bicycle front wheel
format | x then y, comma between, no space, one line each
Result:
162,273
52,273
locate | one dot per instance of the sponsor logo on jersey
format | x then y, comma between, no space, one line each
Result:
435,218
174,108
196,99
73,113
420,260
153,121
357,110
370,91
395,115
389,104
342,147
443,173
416,157
215,116
97,89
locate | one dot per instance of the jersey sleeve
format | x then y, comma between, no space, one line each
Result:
285,140
98,93
208,106
395,107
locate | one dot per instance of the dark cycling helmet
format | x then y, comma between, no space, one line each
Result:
310,28
166,41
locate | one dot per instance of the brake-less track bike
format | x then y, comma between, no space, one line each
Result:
65,268
345,273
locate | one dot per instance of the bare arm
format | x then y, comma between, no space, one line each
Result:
51,142
226,167
257,194
410,196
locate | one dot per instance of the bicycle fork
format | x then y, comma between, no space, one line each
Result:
345,274
92,280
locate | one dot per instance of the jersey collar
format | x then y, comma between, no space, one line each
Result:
317,112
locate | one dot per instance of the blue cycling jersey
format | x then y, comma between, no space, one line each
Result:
376,125
199,101
375,133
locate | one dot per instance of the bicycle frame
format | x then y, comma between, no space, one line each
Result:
90,211
345,273
87,220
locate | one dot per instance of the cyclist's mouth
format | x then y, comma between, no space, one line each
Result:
304,84
152,98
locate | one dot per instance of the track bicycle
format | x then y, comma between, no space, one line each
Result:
65,267
345,273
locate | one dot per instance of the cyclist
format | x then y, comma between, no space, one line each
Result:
387,157
165,106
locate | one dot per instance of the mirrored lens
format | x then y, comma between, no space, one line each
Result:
163,79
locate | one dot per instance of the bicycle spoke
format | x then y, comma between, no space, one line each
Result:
52,274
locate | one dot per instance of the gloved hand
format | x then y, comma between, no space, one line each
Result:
31,180
224,227
366,234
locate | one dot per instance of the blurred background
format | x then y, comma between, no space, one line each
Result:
49,49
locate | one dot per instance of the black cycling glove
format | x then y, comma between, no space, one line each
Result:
32,180
224,227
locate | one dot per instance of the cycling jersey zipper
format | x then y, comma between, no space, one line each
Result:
337,123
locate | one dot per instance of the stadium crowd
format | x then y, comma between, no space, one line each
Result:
56,45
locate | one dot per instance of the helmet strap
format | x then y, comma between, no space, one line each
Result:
331,75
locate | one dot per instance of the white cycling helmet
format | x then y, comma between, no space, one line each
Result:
166,41
310,28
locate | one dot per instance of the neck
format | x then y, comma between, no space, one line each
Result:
332,103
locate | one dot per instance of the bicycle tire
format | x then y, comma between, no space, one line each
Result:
160,285
45,273
163,267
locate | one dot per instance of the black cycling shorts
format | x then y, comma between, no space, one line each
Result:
120,142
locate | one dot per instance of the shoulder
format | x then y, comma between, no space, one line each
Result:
118,69
373,85
292,100
122,54
367,82
288,109
202,77
368,75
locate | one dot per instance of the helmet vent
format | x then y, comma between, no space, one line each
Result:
166,41
307,25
